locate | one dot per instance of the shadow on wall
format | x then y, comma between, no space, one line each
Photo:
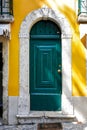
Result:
78,60
78,53
78,49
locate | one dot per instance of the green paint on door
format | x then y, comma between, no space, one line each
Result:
45,67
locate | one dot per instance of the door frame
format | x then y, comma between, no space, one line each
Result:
5,42
24,37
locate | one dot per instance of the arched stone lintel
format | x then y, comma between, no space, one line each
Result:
45,14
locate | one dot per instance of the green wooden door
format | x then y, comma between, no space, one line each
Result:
45,67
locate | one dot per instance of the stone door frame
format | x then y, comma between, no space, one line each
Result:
5,42
44,13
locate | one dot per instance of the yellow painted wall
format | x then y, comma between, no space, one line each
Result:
66,7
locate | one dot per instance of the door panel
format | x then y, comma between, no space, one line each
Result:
45,81
45,102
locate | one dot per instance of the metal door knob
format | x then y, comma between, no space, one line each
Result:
59,71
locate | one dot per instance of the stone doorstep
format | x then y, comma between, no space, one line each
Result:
26,119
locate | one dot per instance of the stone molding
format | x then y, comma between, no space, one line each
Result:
6,18
82,18
4,43
44,13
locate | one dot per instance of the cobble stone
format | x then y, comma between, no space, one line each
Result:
19,127
66,126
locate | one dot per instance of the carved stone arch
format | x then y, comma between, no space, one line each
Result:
45,14
24,98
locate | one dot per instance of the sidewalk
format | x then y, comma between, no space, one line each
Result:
66,126
18,127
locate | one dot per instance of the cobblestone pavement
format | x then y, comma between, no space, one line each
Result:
18,127
66,126
33,127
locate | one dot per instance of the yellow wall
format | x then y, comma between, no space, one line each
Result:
21,10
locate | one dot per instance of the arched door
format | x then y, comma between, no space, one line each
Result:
45,67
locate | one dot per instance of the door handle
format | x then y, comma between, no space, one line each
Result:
59,71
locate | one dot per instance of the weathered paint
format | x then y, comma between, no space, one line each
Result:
67,8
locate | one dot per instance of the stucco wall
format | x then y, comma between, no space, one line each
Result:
78,54
68,9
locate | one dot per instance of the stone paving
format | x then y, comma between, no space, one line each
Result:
74,126
66,126
18,127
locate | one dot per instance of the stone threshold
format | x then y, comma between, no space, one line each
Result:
22,119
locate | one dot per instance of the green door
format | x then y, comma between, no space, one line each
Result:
45,67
